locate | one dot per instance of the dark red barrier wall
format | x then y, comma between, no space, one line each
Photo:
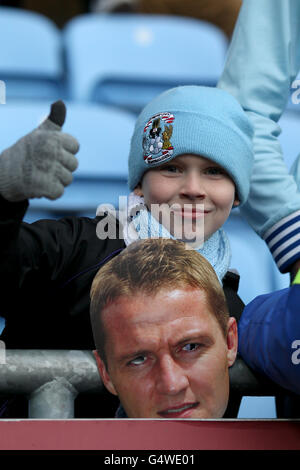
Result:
149,434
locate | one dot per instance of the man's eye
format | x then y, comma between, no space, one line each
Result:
191,347
137,361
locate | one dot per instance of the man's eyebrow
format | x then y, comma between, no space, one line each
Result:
196,338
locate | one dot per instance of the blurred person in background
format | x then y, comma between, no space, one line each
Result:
220,13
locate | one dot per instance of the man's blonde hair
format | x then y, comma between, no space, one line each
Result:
147,267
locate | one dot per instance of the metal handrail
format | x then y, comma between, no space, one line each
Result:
52,379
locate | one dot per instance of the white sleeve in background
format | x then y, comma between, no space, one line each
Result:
263,61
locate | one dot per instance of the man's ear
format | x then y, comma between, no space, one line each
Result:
104,374
232,341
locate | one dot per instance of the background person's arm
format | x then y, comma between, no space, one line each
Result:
269,336
263,60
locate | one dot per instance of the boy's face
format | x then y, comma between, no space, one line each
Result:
167,356
189,180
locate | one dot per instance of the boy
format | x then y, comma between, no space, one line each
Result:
204,171
47,268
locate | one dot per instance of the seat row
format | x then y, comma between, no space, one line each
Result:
118,59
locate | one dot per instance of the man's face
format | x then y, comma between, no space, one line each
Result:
200,191
167,356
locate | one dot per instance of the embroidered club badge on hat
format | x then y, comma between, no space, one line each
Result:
157,138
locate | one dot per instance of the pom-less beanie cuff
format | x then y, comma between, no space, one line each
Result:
193,120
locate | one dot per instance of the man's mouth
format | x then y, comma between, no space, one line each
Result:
180,411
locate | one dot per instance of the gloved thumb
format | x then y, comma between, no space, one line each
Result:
56,118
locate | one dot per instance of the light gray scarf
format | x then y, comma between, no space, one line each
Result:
143,225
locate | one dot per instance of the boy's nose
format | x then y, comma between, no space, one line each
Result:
171,378
192,186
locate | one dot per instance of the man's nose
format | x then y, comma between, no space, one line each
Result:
192,186
171,378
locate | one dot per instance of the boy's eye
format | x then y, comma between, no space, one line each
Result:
170,168
214,170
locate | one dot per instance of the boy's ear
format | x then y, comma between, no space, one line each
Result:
236,201
104,374
138,190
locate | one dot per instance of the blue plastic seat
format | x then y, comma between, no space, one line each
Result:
252,259
31,59
104,135
127,59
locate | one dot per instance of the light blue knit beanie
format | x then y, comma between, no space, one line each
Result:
205,121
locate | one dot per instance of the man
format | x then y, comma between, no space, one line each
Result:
163,334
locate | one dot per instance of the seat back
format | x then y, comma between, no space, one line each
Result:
31,59
252,259
127,59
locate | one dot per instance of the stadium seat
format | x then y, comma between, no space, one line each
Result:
127,59
104,135
31,59
252,259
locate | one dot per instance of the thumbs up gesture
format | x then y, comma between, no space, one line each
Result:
41,163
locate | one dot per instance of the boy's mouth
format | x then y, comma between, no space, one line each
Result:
193,213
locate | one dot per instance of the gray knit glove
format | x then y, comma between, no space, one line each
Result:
41,163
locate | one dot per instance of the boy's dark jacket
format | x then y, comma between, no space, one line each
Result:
46,273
